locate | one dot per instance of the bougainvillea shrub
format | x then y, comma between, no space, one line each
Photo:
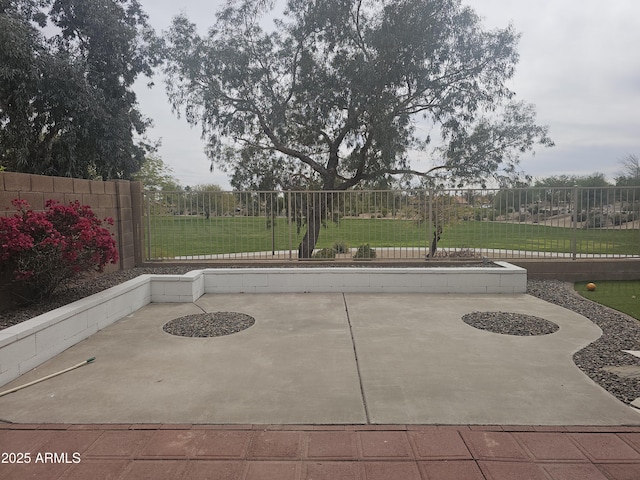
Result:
41,250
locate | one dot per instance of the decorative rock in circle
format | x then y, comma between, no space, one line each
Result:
510,323
204,325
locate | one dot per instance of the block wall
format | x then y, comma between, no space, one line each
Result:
117,199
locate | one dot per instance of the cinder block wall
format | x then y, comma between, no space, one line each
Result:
580,270
117,199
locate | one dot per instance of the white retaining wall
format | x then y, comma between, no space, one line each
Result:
30,343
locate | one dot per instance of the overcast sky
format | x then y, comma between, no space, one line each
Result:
579,64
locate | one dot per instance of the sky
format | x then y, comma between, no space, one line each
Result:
579,65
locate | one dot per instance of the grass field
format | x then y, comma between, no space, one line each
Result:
623,295
173,236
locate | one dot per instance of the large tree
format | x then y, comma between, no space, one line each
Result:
157,176
630,174
67,68
337,88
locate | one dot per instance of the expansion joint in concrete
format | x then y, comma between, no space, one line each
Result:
203,310
355,353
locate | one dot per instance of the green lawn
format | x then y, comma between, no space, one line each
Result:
539,238
190,235
623,295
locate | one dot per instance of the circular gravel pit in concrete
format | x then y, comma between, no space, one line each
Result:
216,324
510,323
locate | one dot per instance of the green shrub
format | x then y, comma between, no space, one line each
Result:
341,247
596,220
41,250
624,217
365,251
325,253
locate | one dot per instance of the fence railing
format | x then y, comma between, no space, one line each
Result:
393,224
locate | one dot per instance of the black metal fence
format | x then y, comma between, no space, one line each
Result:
393,224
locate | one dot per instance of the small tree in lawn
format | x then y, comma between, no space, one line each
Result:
210,200
334,92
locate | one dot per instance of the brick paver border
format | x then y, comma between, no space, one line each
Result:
297,452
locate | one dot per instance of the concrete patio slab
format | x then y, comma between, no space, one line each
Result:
295,365
421,364
326,359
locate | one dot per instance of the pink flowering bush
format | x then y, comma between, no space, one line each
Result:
40,250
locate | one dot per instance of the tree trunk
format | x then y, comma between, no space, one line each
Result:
315,207
434,242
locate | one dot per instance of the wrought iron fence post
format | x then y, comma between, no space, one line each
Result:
148,226
430,227
273,225
290,224
574,239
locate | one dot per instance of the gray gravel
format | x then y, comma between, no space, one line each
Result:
216,324
508,323
620,332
